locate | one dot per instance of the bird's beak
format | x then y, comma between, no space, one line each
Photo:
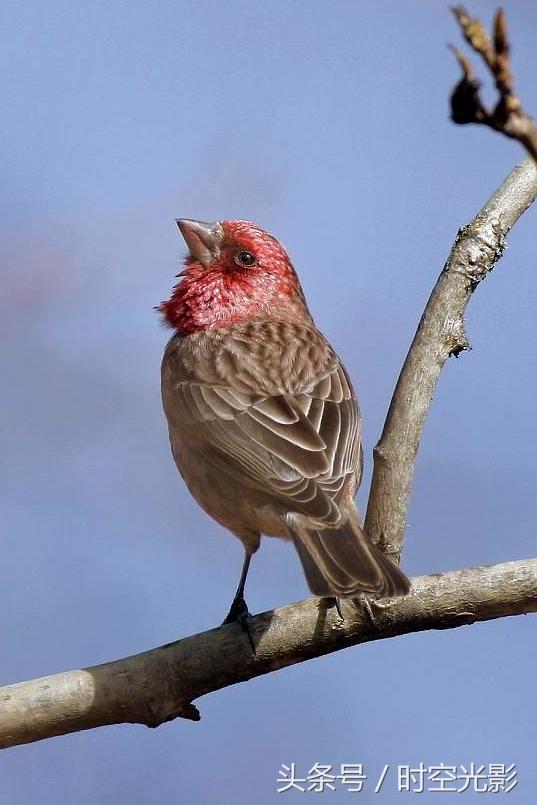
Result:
203,240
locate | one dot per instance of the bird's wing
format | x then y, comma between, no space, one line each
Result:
300,447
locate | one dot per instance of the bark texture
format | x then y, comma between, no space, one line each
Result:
159,685
440,333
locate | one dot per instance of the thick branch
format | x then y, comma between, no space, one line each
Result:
159,685
440,334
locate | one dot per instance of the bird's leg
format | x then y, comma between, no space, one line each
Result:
238,612
238,606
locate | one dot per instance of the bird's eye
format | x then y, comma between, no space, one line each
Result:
245,259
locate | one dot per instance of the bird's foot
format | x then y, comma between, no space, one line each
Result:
369,604
335,602
239,613
238,610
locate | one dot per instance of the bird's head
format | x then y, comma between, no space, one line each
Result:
235,272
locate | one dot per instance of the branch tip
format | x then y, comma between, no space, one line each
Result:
508,116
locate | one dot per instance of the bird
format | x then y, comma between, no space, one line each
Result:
263,420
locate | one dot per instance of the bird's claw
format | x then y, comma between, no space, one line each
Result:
368,604
239,613
335,602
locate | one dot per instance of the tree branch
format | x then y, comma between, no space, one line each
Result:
159,685
476,250
508,116
440,334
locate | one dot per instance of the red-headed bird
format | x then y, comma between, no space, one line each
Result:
263,420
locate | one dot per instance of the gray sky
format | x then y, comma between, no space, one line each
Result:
327,123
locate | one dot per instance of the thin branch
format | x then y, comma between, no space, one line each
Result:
440,333
477,248
508,116
159,685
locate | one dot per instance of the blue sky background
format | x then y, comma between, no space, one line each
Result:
327,123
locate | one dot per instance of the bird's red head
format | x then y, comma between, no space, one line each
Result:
235,272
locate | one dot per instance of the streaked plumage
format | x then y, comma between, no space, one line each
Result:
263,420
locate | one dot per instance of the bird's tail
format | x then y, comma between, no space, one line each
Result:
343,562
